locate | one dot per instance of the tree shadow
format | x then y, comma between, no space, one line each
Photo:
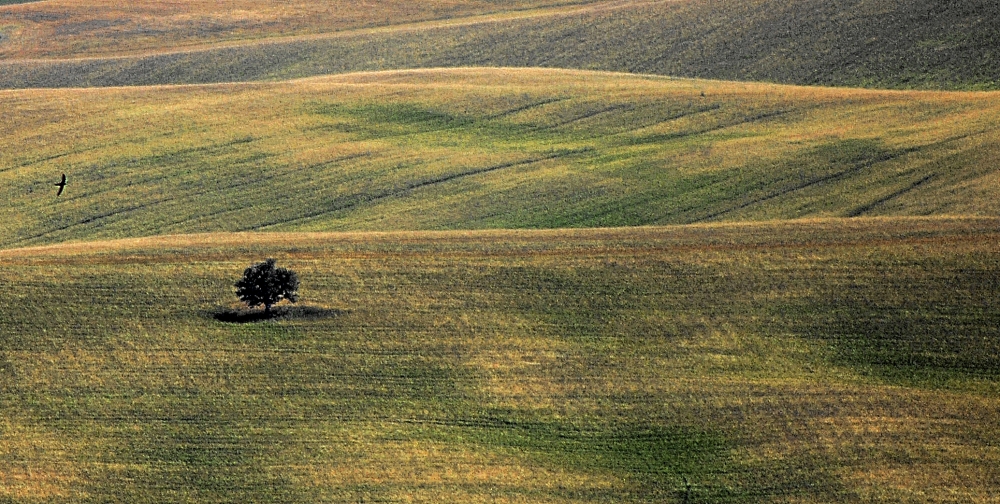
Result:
243,316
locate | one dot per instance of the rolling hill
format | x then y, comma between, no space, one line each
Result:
921,44
551,251
483,148
68,29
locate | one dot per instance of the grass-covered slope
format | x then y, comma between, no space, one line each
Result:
814,361
482,148
924,44
96,28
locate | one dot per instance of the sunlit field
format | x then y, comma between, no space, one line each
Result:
808,361
71,28
482,148
898,44
545,255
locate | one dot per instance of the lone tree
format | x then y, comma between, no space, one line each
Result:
265,284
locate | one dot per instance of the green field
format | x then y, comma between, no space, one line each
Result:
483,148
511,366
550,251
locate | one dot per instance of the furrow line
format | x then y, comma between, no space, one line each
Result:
358,199
871,206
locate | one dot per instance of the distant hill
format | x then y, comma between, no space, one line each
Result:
59,29
918,44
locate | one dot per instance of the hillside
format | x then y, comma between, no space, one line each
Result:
814,361
482,148
90,28
551,251
922,44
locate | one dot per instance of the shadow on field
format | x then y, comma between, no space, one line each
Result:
238,316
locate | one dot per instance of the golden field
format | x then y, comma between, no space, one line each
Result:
546,256
898,44
73,29
482,148
510,366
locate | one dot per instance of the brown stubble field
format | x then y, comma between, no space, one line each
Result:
59,29
512,366
898,44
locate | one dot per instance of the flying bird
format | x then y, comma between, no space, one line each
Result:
61,184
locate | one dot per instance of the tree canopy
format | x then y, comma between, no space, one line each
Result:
266,284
